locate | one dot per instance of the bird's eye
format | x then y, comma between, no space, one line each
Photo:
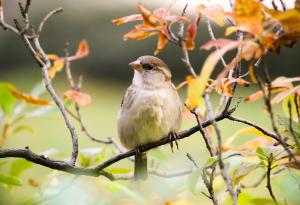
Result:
147,67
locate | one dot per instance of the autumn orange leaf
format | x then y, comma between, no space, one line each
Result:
78,97
259,94
249,16
82,51
161,43
215,13
127,19
28,98
137,34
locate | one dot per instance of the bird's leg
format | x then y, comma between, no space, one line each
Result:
173,136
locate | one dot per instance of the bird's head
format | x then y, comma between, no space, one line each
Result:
150,70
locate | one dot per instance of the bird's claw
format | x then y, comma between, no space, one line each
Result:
173,136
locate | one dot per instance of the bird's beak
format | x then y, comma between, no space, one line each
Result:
136,65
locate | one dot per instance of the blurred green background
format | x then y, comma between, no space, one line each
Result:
106,77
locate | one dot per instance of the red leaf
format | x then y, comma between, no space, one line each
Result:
190,35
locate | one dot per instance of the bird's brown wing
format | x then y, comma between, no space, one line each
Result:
128,96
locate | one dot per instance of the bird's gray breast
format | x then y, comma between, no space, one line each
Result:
147,116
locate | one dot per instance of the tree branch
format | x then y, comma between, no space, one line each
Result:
99,170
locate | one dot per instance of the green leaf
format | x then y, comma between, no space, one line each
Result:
2,163
211,161
22,128
7,100
9,180
18,166
193,179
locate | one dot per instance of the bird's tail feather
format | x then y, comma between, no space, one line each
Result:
140,166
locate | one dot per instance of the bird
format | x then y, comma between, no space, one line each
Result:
150,110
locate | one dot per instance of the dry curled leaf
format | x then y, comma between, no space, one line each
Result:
78,97
225,87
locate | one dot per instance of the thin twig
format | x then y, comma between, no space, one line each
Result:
223,170
46,18
269,186
291,124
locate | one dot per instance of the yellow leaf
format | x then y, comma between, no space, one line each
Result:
194,92
230,30
251,74
260,140
56,67
27,98
215,13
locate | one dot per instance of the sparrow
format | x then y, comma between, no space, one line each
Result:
150,110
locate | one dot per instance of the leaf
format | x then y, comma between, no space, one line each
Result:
212,60
18,166
136,34
42,111
210,161
215,13
285,106
225,87
260,139
82,51
193,179
259,94
190,35
251,74
57,66
218,43
147,15
7,100
28,98
9,180
78,97
161,43
195,88
22,128
229,30
126,19
289,93
249,16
